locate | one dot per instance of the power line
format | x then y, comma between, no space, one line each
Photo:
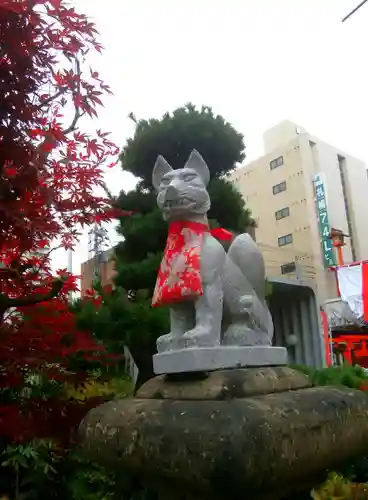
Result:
354,10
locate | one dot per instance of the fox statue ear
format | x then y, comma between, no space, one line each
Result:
159,170
197,163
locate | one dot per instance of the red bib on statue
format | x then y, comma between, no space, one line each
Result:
179,276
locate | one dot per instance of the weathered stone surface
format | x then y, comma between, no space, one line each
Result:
256,448
219,357
224,384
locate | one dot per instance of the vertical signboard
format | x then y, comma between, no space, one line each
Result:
324,226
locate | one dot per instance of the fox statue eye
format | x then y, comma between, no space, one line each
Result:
190,177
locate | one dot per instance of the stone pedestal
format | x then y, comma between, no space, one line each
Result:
224,384
255,433
217,358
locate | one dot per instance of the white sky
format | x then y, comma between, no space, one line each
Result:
256,62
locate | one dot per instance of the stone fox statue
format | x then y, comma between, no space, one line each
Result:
215,297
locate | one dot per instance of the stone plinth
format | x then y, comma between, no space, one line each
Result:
221,437
217,358
224,384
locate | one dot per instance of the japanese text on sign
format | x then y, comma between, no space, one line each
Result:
324,226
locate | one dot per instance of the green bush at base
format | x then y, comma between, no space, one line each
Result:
40,469
347,375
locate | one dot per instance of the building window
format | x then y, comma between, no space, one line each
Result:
279,188
290,267
277,162
281,214
285,240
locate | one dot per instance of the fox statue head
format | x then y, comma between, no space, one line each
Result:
182,193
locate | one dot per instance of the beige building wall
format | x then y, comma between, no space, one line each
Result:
106,271
301,156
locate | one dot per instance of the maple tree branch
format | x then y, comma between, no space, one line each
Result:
47,255
77,114
47,101
110,196
71,127
9,302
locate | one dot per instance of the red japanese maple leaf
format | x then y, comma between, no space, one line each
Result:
50,170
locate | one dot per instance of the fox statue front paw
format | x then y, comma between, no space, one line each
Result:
167,342
200,336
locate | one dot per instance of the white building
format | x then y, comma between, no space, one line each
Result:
281,189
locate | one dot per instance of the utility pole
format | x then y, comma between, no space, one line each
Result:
70,268
70,261
97,239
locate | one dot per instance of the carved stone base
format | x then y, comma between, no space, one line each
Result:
202,359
